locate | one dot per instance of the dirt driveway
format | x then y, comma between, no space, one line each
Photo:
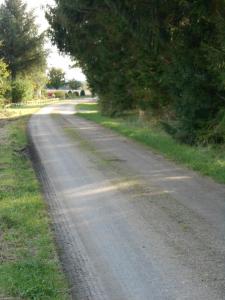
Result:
129,224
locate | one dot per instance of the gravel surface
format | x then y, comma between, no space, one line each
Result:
129,224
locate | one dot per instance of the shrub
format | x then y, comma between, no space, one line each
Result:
4,74
60,94
72,95
68,95
82,93
22,89
215,131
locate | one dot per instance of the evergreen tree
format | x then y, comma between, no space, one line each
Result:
163,55
22,45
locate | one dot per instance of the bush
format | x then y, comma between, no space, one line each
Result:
60,94
72,95
180,64
22,89
68,95
4,74
82,93
214,132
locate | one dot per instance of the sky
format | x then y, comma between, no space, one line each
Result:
55,59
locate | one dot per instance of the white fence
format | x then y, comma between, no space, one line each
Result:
34,102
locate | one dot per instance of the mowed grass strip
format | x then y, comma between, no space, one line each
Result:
209,161
29,266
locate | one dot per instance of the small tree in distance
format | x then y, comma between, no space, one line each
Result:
74,84
56,78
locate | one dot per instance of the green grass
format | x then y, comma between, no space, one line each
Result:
29,266
208,161
87,107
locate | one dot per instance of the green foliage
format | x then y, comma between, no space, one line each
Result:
215,131
167,56
60,94
82,93
98,55
74,84
22,89
56,78
39,81
72,95
4,74
22,46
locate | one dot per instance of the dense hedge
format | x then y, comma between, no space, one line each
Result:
163,55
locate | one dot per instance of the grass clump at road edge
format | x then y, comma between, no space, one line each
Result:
29,266
208,161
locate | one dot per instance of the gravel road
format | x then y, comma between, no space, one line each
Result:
129,224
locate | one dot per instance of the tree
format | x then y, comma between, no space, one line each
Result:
22,46
100,43
163,55
74,84
56,78
39,80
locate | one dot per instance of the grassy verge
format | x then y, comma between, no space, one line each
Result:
208,161
87,107
29,266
